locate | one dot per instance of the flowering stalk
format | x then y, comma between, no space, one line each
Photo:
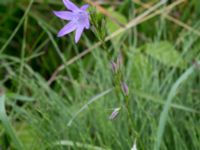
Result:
121,88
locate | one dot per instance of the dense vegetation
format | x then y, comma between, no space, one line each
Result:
56,94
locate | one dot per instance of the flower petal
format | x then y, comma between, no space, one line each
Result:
87,24
71,6
79,31
71,26
65,15
84,7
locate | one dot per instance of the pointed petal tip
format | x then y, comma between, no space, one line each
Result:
71,6
87,27
84,7
76,41
54,12
59,35
65,15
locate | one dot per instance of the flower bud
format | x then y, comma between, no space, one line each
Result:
114,67
125,88
134,146
114,113
119,60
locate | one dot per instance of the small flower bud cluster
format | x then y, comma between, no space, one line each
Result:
114,113
125,88
115,66
120,85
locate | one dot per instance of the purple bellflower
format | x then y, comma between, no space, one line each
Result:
78,19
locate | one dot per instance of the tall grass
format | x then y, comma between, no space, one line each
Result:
56,94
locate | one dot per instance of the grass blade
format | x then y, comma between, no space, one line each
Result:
164,114
7,125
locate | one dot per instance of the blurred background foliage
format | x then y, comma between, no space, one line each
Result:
71,109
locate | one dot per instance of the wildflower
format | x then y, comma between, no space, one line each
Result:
114,113
134,146
78,19
125,88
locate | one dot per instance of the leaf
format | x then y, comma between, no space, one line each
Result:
20,97
165,111
165,53
7,125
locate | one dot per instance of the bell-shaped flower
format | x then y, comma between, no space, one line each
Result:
78,19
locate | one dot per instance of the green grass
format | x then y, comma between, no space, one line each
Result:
161,65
